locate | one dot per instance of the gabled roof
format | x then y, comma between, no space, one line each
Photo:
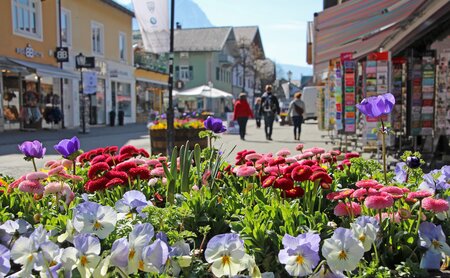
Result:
202,39
119,7
249,34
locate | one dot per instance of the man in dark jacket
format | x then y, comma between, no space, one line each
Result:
269,109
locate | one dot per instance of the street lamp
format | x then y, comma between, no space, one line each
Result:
289,74
80,64
243,51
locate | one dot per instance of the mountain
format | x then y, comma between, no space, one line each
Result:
187,13
297,71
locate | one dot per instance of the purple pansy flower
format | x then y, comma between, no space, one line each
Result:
215,125
377,106
300,254
32,149
400,172
68,147
5,256
433,238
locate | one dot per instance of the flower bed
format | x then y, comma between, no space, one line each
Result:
113,212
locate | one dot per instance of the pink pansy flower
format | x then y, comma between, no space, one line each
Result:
246,171
33,187
435,205
36,176
157,172
346,209
381,201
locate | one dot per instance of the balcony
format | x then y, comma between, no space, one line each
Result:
151,62
225,59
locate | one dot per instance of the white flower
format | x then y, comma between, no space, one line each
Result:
227,255
93,218
366,234
128,254
26,253
84,256
342,251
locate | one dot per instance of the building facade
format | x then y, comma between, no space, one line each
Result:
29,76
100,29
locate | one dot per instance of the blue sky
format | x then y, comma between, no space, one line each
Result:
282,23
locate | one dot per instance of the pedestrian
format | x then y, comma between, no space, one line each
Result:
242,112
258,112
295,112
269,109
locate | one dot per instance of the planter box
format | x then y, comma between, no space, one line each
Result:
158,139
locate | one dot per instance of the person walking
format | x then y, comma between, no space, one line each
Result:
269,109
295,112
242,112
257,112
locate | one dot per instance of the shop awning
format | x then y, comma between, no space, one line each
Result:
45,70
359,26
203,91
6,64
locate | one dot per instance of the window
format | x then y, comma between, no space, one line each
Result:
27,16
122,46
184,73
97,38
66,27
217,73
124,98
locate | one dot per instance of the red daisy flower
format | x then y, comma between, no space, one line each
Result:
129,149
97,170
277,161
284,183
295,192
95,185
268,181
142,172
114,182
301,173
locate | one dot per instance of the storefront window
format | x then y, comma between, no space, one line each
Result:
124,98
10,101
98,101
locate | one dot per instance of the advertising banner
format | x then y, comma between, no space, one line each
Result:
153,19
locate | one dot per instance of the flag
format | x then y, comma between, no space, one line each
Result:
286,91
153,19
89,82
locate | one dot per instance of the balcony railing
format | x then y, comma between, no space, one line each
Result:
226,59
150,61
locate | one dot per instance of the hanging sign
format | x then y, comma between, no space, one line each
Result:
349,92
89,82
62,54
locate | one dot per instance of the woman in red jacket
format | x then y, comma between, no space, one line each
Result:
242,112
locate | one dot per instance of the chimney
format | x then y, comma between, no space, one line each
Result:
178,26
329,3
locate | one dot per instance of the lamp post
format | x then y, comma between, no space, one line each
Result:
289,74
170,111
243,51
80,63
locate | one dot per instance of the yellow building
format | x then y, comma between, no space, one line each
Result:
29,96
30,77
101,29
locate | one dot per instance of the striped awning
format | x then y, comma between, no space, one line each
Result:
358,26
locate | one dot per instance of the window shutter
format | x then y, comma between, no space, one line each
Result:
217,73
191,72
177,72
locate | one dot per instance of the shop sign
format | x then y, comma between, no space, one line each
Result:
29,52
62,54
89,82
346,56
118,73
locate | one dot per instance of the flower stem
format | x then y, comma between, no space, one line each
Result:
383,145
419,217
34,164
74,170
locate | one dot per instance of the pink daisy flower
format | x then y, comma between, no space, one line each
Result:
290,160
419,194
366,183
283,152
253,156
346,209
246,171
299,147
305,155
33,187
34,176
360,193
157,172
395,191
435,205
381,201
395,217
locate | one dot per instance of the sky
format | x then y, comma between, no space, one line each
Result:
282,23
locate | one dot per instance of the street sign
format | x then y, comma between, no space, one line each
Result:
62,54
